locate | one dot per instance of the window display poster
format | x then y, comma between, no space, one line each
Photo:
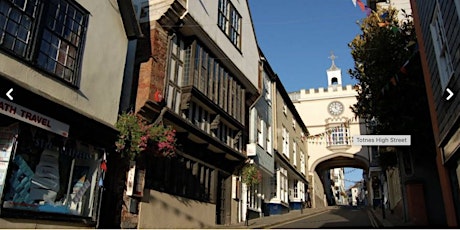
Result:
7,139
3,170
7,136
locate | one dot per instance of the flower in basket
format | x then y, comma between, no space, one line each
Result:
163,139
251,175
136,136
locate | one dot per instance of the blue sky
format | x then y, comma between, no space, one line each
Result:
297,37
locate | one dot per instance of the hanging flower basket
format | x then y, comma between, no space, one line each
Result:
136,136
251,175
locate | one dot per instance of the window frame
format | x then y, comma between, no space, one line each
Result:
229,21
338,136
294,153
441,48
40,30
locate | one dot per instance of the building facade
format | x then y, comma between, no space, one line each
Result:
338,186
289,187
331,123
197,71
437,24
57,119
260,146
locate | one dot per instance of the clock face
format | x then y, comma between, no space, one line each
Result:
335,108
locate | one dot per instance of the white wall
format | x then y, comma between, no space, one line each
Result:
312,107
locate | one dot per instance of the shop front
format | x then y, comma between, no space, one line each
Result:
51,170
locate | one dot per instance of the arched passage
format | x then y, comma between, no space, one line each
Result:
337,160
322,166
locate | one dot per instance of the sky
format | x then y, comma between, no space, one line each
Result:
297,37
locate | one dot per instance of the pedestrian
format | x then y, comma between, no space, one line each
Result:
308,198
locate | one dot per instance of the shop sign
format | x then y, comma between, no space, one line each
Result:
34,118
130,180
135,181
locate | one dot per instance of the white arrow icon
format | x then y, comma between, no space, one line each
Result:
8,94
450,94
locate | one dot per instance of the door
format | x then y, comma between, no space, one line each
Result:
223,204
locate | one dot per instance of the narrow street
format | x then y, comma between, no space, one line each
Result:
342,217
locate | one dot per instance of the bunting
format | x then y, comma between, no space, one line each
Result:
361,5
395,79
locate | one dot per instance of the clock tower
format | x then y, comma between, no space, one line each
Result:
334,74
327,113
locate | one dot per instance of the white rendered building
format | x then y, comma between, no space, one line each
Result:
332,124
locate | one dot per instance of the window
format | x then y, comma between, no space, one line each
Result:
209,76
260,128
175,72
46,175
229,21
283,184
441,48
269,140
59,31
273,185
302,162
180,176
338,136
296,187
253,196
294,153
285,138
293,123
267,88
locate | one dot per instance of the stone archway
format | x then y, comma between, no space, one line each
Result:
340,160
335,160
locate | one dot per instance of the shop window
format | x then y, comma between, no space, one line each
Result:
48,173
59,30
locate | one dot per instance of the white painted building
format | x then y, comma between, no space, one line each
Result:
338,186
332,124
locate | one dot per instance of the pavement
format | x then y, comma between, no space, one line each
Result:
270,221
390,220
